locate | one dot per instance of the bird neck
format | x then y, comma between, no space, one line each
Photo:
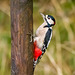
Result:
45,23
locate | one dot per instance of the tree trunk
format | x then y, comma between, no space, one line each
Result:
21,31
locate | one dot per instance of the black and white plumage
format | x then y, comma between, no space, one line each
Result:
43,36
47,40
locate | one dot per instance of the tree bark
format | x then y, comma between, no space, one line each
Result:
21,31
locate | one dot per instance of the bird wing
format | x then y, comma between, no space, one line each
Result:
47,40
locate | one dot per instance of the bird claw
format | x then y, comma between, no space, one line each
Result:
31,37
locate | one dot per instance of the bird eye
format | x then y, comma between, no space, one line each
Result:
48,17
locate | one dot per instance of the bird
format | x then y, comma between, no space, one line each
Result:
42,38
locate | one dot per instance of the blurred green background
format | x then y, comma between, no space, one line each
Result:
5,38
59,58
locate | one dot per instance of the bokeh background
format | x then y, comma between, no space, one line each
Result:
5,38
59,58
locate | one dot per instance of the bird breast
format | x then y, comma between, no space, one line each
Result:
40,35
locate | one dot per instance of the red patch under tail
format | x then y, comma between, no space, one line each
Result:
37,51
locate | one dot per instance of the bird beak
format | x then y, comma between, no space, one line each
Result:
43,16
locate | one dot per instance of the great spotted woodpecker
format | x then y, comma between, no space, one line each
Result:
42,37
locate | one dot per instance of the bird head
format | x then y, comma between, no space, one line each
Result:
49,20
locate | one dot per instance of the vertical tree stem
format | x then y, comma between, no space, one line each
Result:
21,31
